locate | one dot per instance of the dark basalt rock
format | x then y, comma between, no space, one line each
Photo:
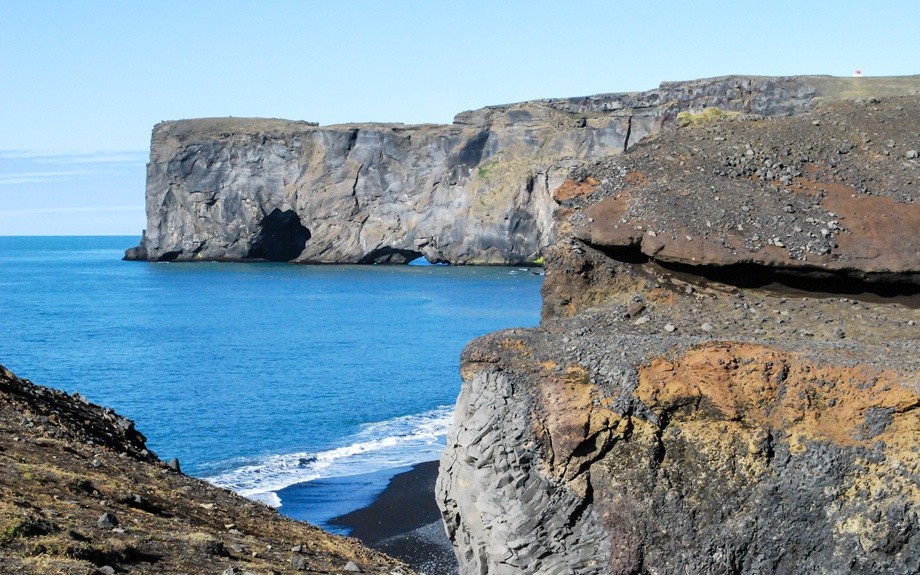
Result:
712,389
453,193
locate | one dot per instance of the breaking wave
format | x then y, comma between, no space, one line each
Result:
396,442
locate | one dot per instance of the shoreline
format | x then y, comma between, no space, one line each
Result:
404,521
320,501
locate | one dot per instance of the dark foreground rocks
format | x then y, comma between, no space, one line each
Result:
80,494
727,375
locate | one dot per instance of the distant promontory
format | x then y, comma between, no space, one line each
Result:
479,191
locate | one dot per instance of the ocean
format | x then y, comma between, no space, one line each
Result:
305,387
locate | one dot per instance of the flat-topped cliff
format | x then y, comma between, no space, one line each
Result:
726,378
478,191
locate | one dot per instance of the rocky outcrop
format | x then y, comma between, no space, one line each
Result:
475,192
821,192
80,493
232,189
726,377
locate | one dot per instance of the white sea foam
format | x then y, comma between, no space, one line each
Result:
271,499
382,445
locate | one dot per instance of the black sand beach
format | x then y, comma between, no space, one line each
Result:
404,521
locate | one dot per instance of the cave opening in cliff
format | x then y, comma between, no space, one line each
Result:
282,237
424,261
390,255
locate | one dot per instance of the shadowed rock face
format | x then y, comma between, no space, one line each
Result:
475,192
712,389
281,237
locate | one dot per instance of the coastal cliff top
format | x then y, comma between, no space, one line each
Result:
835,189
781,90
727,363
228,125
80,493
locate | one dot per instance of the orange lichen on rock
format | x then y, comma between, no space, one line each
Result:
573,421
571,189
636,178
516,345
762,387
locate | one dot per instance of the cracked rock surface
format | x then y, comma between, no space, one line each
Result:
698,400
479,191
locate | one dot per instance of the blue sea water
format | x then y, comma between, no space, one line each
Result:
258,377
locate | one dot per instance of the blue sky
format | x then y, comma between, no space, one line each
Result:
83,83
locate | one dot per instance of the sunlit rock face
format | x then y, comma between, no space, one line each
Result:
726,378
687,455
464,194
478,191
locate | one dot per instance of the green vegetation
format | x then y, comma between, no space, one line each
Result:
707,116
25,471
25,527
487,167
9,532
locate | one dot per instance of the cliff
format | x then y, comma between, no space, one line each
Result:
80,493
475,192
726,377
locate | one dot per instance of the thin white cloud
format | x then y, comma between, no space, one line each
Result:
97,158
70,210
100,157
20,178
19,167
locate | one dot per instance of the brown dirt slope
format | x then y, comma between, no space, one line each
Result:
68,467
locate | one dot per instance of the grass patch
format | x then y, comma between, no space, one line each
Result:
486,168
25,471
707,116
9,533
26,527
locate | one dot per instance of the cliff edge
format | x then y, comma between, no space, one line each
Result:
726,378
478,191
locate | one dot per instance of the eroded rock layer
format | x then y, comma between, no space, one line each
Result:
830,190
478,191
727,375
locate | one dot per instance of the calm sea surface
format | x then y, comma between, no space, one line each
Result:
270,379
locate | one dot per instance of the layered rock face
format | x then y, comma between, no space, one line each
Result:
726,378
475,192
466,194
